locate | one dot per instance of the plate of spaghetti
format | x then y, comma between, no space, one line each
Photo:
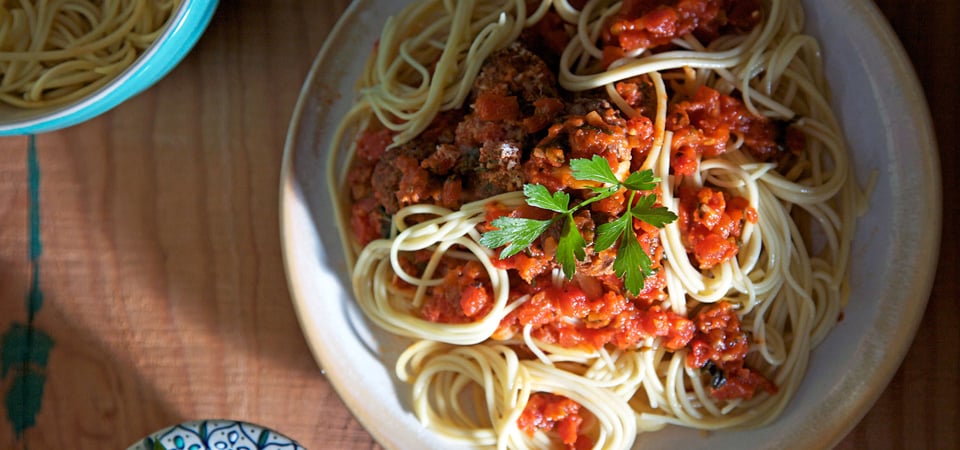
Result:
610,224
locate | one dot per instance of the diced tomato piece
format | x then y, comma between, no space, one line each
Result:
497,108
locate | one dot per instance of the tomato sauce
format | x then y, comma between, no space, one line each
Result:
720,346
366,222
566,316
550,412
604,133
704,125
711,222
464,295
654,23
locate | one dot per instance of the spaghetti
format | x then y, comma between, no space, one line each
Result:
55,52
464,105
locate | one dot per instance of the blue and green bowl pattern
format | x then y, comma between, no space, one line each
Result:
217,435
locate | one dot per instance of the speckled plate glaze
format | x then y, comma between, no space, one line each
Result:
216,435
881,107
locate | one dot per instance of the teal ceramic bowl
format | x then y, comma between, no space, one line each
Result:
186,27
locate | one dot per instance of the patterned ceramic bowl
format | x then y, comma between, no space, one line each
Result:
216,435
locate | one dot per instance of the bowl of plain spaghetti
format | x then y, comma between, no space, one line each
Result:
65,62
592,224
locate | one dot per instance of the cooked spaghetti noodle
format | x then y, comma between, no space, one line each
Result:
729,114
55,52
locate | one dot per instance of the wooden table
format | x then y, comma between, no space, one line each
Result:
163,290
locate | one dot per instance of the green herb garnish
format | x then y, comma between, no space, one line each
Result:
632,264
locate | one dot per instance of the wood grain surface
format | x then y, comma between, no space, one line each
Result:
162,282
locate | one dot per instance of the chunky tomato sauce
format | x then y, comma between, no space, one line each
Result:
720,346
550,412
520,128
710,222
463,296
654,23
705,124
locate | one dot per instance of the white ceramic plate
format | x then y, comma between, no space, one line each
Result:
886,121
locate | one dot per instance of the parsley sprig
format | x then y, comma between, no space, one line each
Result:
632,264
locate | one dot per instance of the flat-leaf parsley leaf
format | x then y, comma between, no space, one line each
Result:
632,264
540,197
516,231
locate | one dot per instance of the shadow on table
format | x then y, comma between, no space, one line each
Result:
62,388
